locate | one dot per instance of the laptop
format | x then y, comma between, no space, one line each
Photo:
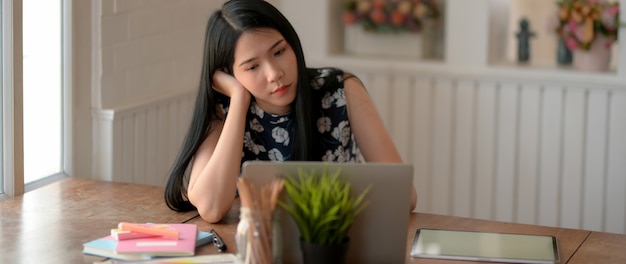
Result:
379,233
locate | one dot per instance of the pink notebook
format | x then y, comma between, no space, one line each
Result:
159,246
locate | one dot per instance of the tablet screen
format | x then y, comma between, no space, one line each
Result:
484,246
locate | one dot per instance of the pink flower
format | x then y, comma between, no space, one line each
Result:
572,44
377,15
614,10
397,18
580,33
572,25
608,18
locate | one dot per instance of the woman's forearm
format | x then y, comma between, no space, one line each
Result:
217,165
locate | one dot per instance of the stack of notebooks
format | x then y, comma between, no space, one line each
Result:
132,241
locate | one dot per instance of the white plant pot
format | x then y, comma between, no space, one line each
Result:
596,59
400,45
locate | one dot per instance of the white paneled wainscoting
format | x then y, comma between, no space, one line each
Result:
138,144
526,152
521,151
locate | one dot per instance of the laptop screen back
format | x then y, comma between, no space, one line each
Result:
379,233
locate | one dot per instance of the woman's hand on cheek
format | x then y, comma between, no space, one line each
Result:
228,85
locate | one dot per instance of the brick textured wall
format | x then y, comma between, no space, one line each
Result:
148,48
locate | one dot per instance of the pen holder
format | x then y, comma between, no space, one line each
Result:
257,237
256,224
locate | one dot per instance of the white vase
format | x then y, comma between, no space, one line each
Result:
596,59
399,45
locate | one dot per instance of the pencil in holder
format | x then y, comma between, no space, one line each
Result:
258,230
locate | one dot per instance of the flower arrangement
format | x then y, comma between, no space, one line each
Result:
391,15
580,22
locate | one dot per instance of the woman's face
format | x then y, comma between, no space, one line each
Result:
266,65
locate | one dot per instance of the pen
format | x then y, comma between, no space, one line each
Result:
217,241
158,230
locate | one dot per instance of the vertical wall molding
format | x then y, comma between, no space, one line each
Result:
138,144
510,150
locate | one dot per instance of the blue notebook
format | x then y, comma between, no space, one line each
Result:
105,247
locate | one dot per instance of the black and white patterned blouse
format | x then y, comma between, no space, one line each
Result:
268,136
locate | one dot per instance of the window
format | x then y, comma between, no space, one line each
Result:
43,89
36,81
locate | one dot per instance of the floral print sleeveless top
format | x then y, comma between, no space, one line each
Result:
268,136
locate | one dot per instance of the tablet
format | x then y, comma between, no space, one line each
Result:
484,246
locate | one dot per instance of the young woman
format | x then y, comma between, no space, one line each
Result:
258,101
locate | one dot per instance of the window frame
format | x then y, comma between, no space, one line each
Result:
12,136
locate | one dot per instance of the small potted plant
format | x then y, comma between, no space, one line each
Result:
588,28
405,28
391,15
324,208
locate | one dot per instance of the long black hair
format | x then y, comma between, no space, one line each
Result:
224,28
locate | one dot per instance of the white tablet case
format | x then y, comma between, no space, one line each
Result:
484,246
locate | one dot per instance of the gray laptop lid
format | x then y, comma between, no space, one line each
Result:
379,233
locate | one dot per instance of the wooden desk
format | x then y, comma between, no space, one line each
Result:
601,247
569,239
50,224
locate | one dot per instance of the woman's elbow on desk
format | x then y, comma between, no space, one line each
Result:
211,216
211,212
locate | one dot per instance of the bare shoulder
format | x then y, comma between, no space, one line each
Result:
355,89
350,80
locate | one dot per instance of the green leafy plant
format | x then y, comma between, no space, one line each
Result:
322,206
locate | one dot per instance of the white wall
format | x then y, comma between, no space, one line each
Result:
148,48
